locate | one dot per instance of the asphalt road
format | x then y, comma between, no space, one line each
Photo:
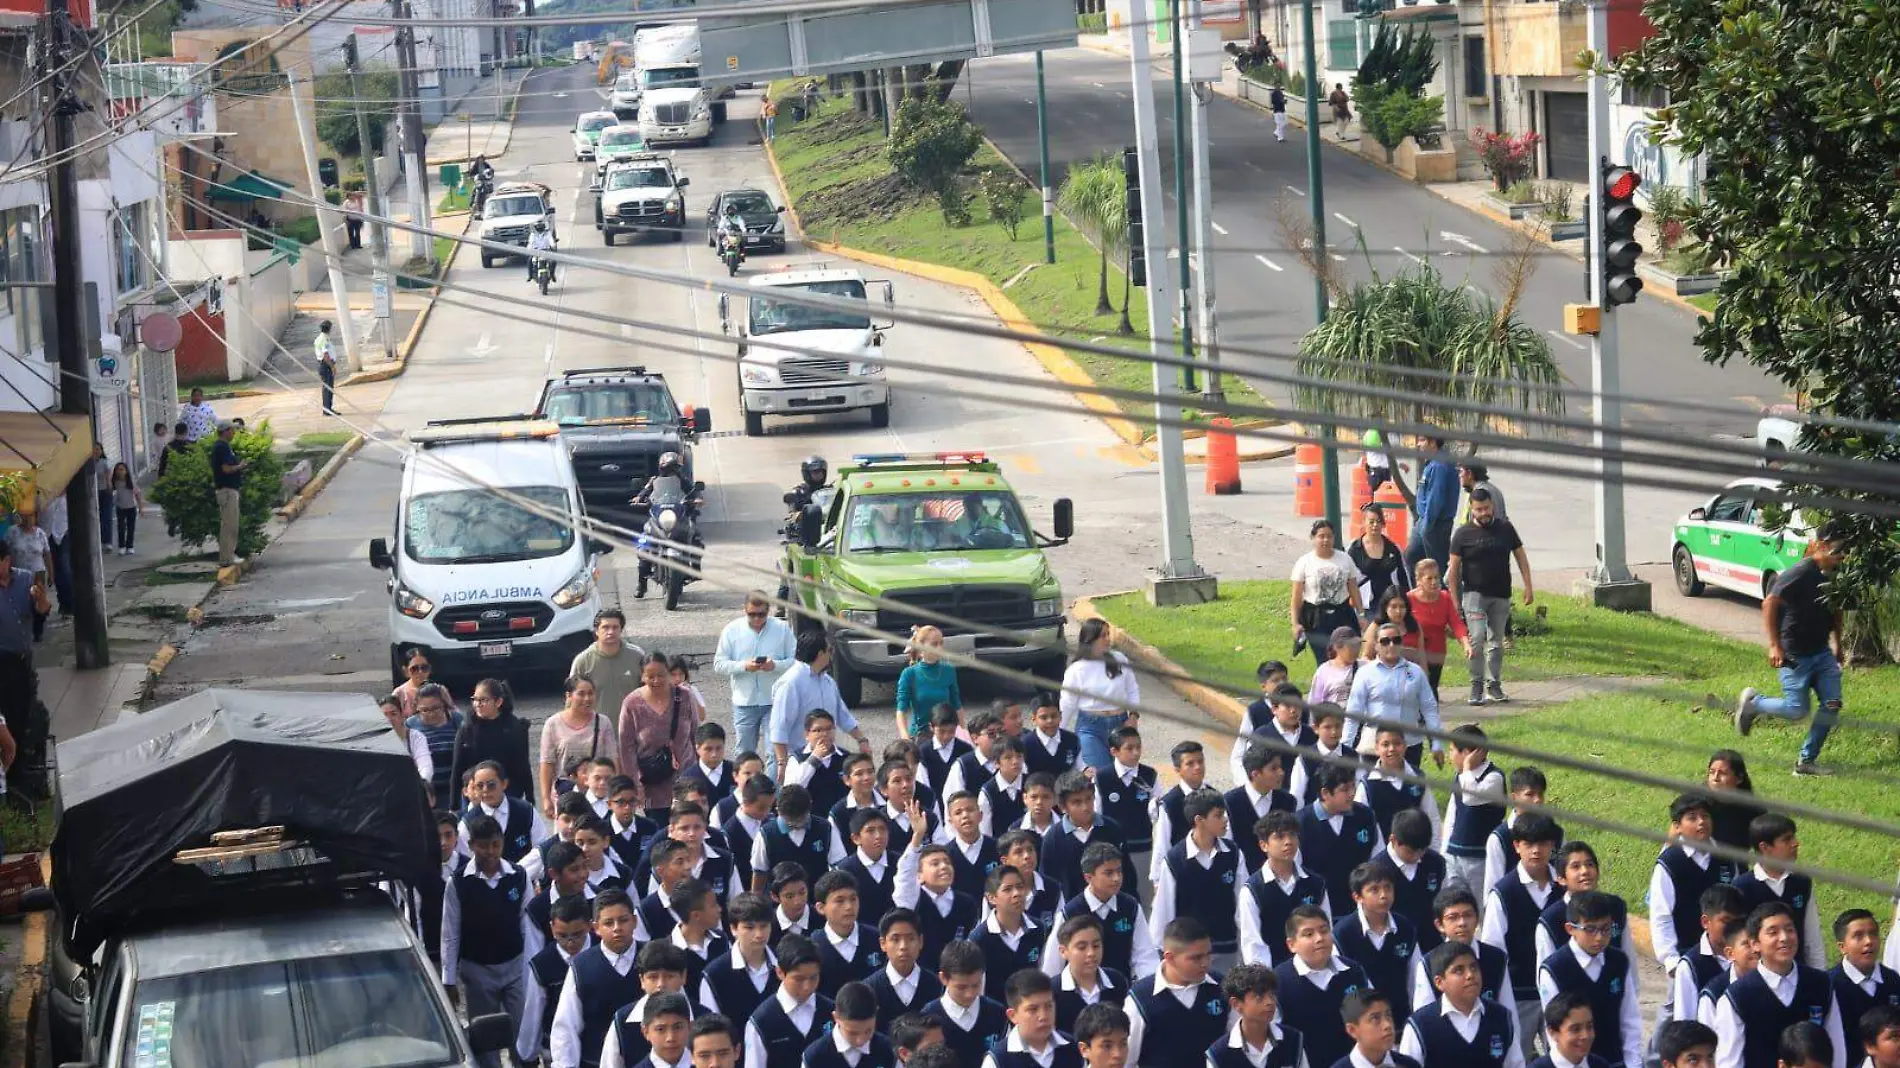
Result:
312,615
1377,221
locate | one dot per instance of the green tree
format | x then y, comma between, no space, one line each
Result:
1794,108
336,122
931,143
191,508
1004,195
1094,195
1398,63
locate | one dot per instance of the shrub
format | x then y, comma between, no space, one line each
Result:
1671,210
1559,200
333,194
1296,84
304,229
191,509
1005,197
1522,192
930,144
1096,22
1507,159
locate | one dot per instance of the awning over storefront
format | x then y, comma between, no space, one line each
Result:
47,449
248,186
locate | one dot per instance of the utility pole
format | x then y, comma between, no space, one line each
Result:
327,223
1316,199
1048,194
1610,585
1211,392
1179,580
1181,197
414,141
378,210
90,646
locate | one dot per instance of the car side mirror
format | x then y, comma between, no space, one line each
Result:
683,183
379,557
1064,518
490,1034
699,487
1698,513
811,524
38,899
702,421
780,210
599,547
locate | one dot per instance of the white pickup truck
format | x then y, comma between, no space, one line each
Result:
797,359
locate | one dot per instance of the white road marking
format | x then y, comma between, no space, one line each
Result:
1098,85
1567,339
1337,258
1219,229
1295,190
1459,239
626,330
1269,264
1407,255
1345,220
1256,166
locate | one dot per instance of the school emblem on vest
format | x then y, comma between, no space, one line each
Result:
1431,882
1227,878
1142,796
1403,949
1363,837
1035,954
1115,797
514,893
1616,986
1123,925
1215,1008
1497,1046
1817,1016
1798,902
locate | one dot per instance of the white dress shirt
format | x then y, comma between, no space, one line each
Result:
961,1017
800,1013
1466,1024
1813,950
533,1006
1662,903
1253,941
1013,1043
758,861
1145,960
904,986
1730,1041
851,1054
564,1042
538,832
1186,994
610,1048
1427,803
1257,1055
1165,905
759,976
1491,931
1423,993
1680,1002
1499,857
1011,790
953,783
452,920
1629,1012
1087,689
1474,788
1090,994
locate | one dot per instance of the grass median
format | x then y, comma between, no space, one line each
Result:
839,178
1661,724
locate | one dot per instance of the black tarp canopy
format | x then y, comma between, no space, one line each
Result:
326,767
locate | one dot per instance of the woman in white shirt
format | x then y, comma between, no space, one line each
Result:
1325,592
1099,693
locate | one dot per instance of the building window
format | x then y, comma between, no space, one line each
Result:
20,240
135,247
1650,98
1477,79
1342,44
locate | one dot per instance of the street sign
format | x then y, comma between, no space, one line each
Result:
161,331
379,291
732,62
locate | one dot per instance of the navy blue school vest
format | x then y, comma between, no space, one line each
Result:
1275,905
1171,803
1412,898
1442,1045
1557,912
733,990
1000,962
1471,825
1066,1055
971,875
827,780
1332,855
1061,855
1209,894
1112,989
1180,1033
634,1047
1387,799
1605,993
823,1053
491,916
715,792
1118,934
601,992
1690,880
813,854
1285,1053
549,969
975,774
890,1006
1854,1001
1764,1017
1241,818
1036,757
1006,810
939,930
874,895
834,971
1797,893
518,837
1397,1059
1326,1041
970,1046
785,1044
936,768
1389,966
1521,917
1126,803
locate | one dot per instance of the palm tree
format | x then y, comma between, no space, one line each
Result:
1093,195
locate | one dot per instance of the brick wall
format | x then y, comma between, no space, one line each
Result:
200,352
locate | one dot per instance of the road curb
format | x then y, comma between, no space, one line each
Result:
24,1006
1051,356
297,503
400,364
1142,655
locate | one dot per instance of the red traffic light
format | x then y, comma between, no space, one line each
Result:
1621,183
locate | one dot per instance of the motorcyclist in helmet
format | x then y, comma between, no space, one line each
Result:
667,484
813,474
540,239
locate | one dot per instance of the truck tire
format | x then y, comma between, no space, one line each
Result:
606,237
487,260
850,683
754,424
881,415
719,113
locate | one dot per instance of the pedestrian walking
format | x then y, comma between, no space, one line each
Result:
754,651
1325,592
1472,475
437,720
102,495
326,365
1393,690
656,735
1277,100
1342,110
161,440
770,112
1099,693
925,684
494,733
1804,645
1434,506
179,442
32,550
1381,563
576,733
126,503
353,218
486,931
22,600
227,480
612,664
58,527
198,419
1479,577
807,686
1438,617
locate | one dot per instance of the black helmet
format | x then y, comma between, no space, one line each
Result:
815,471
669,463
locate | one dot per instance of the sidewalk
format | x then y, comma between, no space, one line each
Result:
486,131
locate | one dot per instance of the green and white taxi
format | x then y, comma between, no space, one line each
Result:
587,130
1723,543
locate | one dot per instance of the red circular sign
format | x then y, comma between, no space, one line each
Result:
160,331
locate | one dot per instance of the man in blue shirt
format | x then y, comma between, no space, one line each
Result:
1436,505
754,653
227,480
20,598
808,687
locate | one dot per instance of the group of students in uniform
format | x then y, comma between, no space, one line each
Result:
992,901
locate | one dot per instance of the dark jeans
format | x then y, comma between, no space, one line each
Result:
128,526
105,518
19,691
62,574
355,228
1324,620
1433,542
326,371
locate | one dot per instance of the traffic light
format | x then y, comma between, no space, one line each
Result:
1618,220
1137,243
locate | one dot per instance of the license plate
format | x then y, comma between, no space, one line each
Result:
675,129
497,650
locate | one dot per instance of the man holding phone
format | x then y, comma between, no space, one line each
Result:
754,650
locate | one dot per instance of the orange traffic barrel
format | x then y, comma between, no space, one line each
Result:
1223,457
1361,496
1309,492
1398,521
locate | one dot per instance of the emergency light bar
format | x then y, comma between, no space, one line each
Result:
871,459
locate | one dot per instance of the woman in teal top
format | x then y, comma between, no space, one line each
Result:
925,684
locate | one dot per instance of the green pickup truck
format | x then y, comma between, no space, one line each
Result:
912,538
